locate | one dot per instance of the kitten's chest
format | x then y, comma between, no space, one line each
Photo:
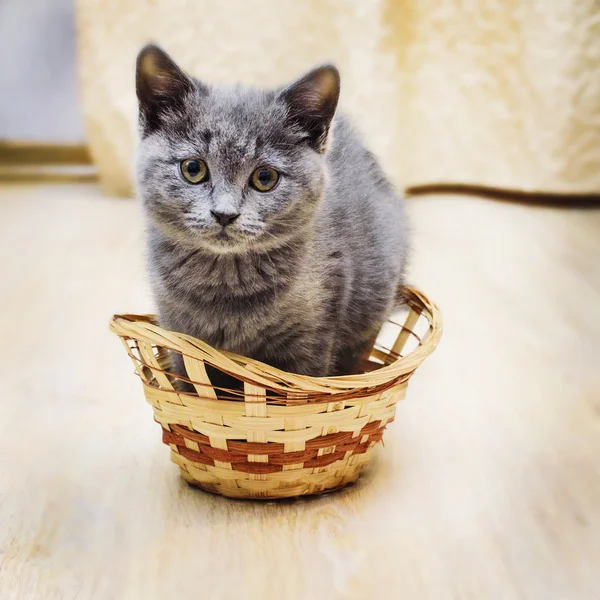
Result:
226,301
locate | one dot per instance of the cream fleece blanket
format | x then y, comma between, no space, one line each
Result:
504,93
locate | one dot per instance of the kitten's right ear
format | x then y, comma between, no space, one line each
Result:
312,101
161,86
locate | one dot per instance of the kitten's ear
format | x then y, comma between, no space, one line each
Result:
312,101
161,86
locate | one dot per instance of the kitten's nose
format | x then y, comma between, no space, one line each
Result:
224,218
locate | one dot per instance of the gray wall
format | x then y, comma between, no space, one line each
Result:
38,79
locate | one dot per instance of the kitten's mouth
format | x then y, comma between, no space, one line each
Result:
223,235
230,234
226,239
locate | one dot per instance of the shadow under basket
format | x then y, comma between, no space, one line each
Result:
279,434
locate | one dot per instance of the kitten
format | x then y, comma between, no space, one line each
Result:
273,232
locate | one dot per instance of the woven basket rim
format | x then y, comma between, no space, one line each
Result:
144,328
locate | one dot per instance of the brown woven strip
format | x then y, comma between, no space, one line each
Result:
255,447
361,448
276,463
348,447
194,456
223,455
272,466
323,461
376,437
169,437
207,455
194,436
238,451
369,428
325,441
292,458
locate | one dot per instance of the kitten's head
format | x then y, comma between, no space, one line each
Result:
231,169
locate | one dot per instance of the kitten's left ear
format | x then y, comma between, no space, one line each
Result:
312,101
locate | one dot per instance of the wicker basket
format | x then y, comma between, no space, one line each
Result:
279,435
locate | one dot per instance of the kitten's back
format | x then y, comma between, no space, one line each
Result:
362,231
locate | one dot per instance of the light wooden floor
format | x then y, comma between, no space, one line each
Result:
488,486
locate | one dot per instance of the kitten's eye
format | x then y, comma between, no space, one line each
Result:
194,170
264,179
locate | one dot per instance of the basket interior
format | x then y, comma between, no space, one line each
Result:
401,334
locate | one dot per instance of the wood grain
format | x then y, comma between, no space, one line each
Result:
488,485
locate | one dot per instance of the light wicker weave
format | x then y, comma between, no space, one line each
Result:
284,435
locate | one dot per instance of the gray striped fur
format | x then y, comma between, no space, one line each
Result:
308,272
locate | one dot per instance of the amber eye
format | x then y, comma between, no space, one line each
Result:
264,179
194,170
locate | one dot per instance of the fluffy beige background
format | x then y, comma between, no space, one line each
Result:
503,93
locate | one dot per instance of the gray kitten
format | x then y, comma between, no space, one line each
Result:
273,232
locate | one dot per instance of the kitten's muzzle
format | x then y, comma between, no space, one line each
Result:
224,218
